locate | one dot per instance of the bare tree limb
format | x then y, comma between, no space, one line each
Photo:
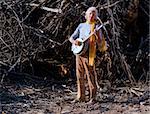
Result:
46,8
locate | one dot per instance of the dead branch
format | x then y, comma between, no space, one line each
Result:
46,8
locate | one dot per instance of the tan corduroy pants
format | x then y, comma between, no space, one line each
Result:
83,68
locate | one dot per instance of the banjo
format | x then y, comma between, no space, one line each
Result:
83,47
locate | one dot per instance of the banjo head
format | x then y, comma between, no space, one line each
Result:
77,49
80,50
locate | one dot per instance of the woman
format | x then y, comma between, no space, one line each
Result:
85,62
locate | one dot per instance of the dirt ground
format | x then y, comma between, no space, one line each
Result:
23,98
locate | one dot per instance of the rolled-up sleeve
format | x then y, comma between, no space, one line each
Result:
102,44
76,33
100,36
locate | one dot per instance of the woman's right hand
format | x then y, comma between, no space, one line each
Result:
77,42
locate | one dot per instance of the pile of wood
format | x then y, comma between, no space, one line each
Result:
35,33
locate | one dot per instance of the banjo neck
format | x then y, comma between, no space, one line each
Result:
95,31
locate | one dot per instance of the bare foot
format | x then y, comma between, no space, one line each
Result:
78,100
91,102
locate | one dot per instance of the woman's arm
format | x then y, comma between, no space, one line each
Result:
102,44
74,36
